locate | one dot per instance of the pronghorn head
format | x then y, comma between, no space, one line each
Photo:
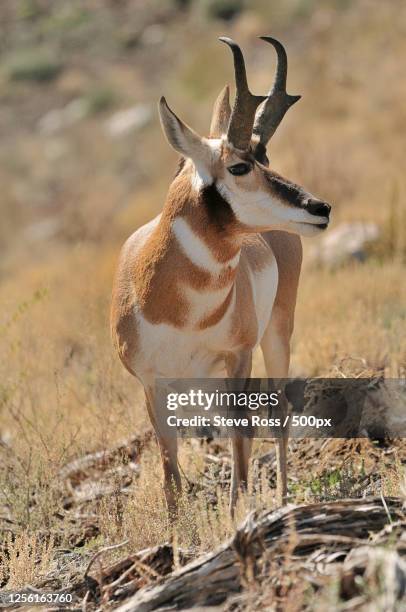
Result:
233,159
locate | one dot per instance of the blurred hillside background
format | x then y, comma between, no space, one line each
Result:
83,163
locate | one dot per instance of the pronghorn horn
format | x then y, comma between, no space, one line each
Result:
243,114
278,101
221,114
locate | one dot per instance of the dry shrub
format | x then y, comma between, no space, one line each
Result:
204,518
393,478
25,559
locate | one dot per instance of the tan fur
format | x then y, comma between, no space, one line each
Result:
124,327
221,114
288,252
172,317
256,255
245,324
222,252
217,314
160,272
257,252
161,268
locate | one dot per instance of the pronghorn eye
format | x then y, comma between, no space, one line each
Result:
239,169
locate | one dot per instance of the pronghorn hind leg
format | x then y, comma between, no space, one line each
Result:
241,448
168,446
239,367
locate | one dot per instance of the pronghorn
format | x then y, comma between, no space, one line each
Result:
209,279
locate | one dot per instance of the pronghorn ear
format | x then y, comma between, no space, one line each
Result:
181,137
221,114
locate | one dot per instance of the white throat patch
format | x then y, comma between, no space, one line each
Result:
197,251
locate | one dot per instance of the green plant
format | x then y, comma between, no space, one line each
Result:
223,9
35,67
29,9
99,100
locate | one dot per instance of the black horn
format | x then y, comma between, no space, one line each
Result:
242,118
278,101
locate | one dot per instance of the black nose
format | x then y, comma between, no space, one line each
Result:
318,207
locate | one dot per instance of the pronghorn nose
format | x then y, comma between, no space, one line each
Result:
318,207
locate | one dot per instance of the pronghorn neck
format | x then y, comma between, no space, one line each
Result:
186,271
202,222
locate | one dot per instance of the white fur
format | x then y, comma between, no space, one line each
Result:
164,352
203,303
196,250
260,210
215,145
200,178
264,284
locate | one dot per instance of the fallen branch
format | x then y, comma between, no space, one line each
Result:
263,536
101,552
126,451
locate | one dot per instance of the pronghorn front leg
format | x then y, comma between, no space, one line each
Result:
239,366
275,343
168,446
275,346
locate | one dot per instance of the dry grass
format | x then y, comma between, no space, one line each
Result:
28,559
62,390
204,518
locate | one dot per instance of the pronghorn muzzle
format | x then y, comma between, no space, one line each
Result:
319,208
294,195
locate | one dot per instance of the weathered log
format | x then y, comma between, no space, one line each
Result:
126,451
383,573
102,473
296,530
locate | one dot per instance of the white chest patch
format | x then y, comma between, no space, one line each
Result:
264,284
204,303
164,352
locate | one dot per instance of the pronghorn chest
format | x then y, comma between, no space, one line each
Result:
190,308
219,321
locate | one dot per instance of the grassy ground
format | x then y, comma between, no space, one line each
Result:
63,392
